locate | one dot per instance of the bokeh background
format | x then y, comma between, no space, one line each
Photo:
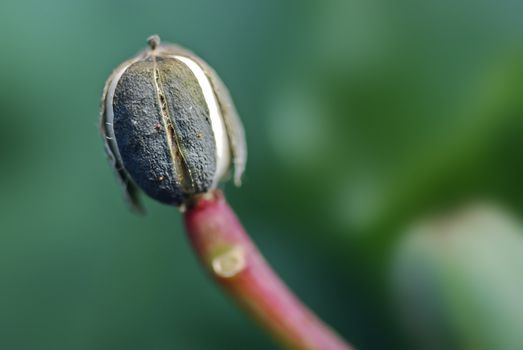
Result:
384,180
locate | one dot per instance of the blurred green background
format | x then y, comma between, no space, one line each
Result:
363,117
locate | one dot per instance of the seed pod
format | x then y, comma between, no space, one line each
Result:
170,126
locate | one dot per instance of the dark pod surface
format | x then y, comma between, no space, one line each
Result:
162,130
188,110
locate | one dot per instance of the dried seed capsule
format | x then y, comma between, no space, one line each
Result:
169,125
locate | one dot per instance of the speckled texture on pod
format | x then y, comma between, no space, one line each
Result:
169,125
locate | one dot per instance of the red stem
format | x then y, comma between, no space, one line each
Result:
227,252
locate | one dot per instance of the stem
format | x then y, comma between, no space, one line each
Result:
233,260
